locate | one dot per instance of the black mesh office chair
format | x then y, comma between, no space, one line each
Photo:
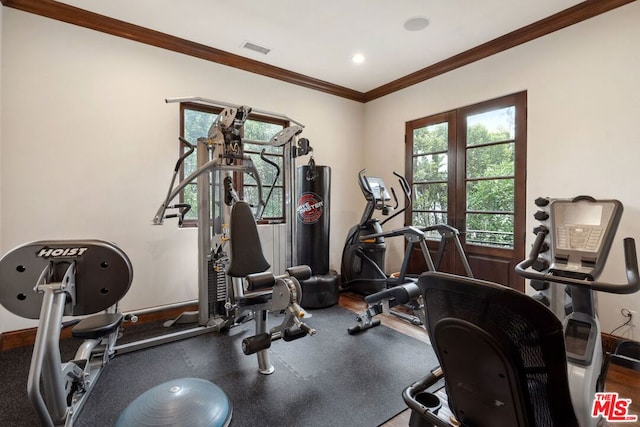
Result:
502,355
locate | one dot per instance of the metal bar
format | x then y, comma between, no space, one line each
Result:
427,255
159,308
405,262
256,142
291,193
46,354
163,339
213,164
85,349
463,257
204,229
215,103
264,363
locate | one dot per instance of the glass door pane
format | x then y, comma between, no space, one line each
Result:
490,178
430,175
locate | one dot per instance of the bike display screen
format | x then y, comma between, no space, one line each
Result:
577,337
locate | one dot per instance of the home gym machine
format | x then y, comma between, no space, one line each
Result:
364,254
47,280
537,370
234,285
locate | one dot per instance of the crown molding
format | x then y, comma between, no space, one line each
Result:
83,18
560,20
76,16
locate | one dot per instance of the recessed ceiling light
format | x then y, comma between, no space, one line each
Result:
358,58
417,23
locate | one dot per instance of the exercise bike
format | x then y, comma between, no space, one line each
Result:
47,280
505,358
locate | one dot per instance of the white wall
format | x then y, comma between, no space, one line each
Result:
79,106
1,15
93,145
583,109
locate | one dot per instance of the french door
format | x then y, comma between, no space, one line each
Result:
467,169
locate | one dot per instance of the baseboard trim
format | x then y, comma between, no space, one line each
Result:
25,337
610,342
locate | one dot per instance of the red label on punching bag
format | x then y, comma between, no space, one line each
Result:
310,208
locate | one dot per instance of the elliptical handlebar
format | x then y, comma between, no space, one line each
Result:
631,267
364,184
406,190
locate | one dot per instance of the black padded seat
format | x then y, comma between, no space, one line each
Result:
254,298
502,353
97,326
246,250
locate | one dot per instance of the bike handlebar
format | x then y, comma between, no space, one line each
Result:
631,268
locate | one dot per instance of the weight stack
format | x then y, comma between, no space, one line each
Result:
312,236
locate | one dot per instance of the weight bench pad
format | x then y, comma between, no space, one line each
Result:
97,326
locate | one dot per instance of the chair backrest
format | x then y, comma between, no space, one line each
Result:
246,250
502,353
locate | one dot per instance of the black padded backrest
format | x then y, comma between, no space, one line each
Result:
502,353
246,249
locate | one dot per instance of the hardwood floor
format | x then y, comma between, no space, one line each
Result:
624,381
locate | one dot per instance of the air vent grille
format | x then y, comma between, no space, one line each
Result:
255,47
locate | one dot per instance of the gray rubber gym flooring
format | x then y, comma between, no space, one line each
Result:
330,379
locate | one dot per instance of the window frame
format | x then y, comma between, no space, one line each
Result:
457,167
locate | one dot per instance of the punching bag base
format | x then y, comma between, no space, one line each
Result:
320,291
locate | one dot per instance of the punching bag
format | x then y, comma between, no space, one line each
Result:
312,216
312,236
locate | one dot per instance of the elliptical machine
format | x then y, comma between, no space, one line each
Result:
364,254
362,266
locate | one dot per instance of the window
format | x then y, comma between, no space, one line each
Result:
467,169
430,174
490,177
196,120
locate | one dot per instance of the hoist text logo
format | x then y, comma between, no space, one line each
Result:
61,252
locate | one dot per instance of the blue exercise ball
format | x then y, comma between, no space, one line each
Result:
191,402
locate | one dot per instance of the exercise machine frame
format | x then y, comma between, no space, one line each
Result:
402,289
218,155
47,280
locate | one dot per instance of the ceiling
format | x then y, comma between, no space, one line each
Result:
319,38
